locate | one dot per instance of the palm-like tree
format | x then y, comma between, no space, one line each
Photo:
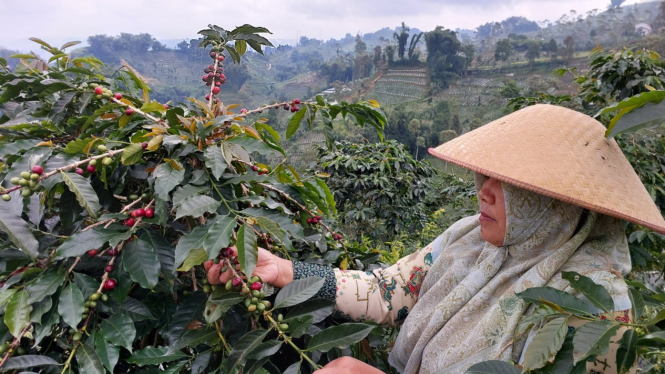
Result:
401,39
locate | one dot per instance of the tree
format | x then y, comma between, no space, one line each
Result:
390,54
413,57
533,52
443,57
183,46
569,48
503,50
401,39
377,56
361,46
552,48
126,197
510,89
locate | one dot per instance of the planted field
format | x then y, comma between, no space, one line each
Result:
399,86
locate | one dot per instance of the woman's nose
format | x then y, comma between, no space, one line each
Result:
485,194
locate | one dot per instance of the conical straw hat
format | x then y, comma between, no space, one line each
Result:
559,153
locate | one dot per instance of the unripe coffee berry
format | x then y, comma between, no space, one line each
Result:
95,296
92,162
105,298
102,148
206,288
77,337
107,161
25,174
6,197
251,308
15,180
34,176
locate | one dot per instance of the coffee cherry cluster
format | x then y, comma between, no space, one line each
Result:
337,236
214,75
261,171
314,220
29,181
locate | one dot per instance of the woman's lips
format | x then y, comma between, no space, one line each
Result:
485,218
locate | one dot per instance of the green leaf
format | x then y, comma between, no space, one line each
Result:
164,251
40,308
212,312
83,241
89,362
595,293
195,258
637,304
219,236
45,285
214,160
85,195
271,227
166,179
76,146
294,122
538,314
248,251
192,338
627,351
153,106
70,305
243,347
265,349
132,154
339,336
546,343
26,361
317,308
107,352
227,300
17,313
241,47
299,326
196,206
493,367
140,261
186,191
18,232
119,330
189,242
298,291
154,356
593,338
293,368
562,299
563,362
6,295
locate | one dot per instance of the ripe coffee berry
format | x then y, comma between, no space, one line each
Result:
110,284
243,111
91,168
108,268
118,96
294,109
149,213
79,171
236,282
92,252
138,213
112,252
205,78
255,168
129,222
256,286
208,97
286,107
215,90
37,169
144,145
220,58
99,90
129,111
296,101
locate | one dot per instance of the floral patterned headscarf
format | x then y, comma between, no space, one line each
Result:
467,311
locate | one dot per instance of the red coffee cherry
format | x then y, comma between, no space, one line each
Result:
149,213
108,268
256,286
37,169
129,222
110,284
93,252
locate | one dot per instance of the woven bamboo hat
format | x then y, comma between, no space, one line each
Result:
559,153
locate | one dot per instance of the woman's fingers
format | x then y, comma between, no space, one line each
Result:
214,271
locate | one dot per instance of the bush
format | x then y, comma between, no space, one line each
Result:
113,201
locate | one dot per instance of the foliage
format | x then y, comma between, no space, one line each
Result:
503,50
443,58
124,198
510,89
379,189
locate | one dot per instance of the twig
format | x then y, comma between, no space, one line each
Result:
15,344
193,272
74,265
160,121
67,167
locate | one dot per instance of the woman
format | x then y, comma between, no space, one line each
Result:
552,193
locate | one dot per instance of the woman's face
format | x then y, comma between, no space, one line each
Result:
492,212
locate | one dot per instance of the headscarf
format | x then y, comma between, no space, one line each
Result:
467,311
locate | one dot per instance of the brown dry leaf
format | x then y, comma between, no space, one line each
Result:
45,144
195,325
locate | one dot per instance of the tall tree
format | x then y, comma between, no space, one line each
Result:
533,52
569,47
443,56
401,39
503,50
412,46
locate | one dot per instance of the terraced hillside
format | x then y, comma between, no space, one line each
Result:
399,85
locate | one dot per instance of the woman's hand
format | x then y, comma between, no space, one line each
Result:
273,270
348,365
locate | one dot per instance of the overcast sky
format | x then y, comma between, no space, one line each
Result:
63,20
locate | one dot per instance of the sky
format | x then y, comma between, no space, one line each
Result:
59,21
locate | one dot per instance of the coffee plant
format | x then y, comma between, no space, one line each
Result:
113,201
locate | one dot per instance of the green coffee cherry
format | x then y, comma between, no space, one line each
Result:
77,337
33,184
255,300
26,192
20,351
254,279
229,285
72,331
105,298
98,97
25,174
93,162
23,182
256,293
6,197
204,281
215,260
145,196
206,288
84,315
86,304
251,308
247,302
284,327
34,176
280,317
107,161
15,180
224,269
260,307
102,148
95,296
133,197
93,304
